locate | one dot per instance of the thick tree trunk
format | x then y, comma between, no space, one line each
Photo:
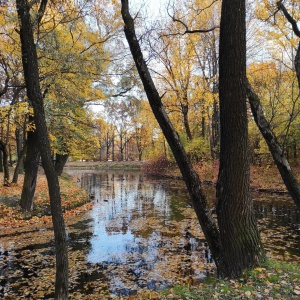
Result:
60,161
238,228
191,178
3,149
31,172
278,155
31,75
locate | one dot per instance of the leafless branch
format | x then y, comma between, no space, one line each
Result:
96,43
187,30
291,20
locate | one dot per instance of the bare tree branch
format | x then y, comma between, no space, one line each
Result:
187,30
292,21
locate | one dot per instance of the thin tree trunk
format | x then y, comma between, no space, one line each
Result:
1,161
238,227
20,151
31,172
31,75
20,167
185,112
3,149
191,178
278,155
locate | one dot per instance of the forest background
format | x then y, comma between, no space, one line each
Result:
84,63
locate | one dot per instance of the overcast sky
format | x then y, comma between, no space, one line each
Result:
153,7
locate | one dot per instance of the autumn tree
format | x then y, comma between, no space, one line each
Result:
31,75
243,249
278,150
187,18
243,234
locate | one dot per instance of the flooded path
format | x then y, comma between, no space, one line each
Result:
140,234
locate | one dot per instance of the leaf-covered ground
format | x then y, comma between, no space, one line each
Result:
264,178
73,199
27,255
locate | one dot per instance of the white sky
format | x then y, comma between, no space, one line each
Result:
153,7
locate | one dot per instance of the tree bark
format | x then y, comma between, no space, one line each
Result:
1,162
238,228
185,112
60,161
277,152
191,178
3,149
31,172
31,75
19,167
20,148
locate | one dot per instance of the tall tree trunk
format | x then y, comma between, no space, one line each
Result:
3,149
191,178
60,161
238,227
31,171
1,162
277,152
18,141
113,148
215,130
20,151
185,112
31,75
203,124
20,166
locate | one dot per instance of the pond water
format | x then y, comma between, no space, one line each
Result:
140,234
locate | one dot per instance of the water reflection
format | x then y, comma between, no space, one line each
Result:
144,229
145,232
131,194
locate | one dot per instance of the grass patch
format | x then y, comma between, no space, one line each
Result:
273,280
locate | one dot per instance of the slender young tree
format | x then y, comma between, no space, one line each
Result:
31,75
290,180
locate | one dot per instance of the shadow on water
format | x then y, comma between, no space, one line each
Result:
142,233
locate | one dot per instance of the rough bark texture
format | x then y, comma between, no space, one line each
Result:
238,229
31,75
31,172
191,178
279,158
3,149
60,161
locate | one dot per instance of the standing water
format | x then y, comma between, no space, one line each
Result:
141,234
